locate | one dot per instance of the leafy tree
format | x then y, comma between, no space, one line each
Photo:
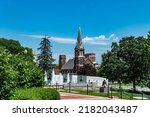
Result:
30,75
88,70
147,48
15,48
8,74
45,57
113,67
133,53
130,62
16,72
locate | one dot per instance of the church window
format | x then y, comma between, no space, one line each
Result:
81,61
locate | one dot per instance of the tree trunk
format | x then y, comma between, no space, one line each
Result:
119,84
134,85
119,81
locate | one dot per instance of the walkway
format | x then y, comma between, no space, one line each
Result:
70,96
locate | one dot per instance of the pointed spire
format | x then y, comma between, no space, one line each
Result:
79,39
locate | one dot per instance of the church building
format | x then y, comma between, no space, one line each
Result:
80,58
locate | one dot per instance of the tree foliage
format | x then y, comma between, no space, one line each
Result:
15,48
16,72
88,70
8,74
127,61
147,47
45,58
113,67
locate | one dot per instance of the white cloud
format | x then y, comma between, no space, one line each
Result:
98,40
33,36
63,40
112,36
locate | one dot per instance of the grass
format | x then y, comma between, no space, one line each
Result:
36,93
84,92
123,84
115,93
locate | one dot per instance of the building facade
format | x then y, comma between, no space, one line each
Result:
79,60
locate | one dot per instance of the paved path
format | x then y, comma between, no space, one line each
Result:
70,96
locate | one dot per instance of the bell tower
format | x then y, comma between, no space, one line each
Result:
79,54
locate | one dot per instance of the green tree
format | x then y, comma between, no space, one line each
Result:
16,72
113,67
15,48
30,75
88,70
8,74
130,62
132,51
147,48
45,58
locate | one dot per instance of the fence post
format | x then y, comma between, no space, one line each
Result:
132,95
87,89
142,95
56,85
108,90
111,92
121,92
69,87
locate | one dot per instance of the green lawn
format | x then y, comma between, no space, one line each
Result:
115,93
123,84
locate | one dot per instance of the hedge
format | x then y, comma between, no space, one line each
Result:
35,94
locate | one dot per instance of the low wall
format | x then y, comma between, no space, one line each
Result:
76,79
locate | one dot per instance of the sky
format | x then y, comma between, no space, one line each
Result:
101,21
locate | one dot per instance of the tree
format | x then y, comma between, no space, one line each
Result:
132,51
16,72
113,67
147,48
14,47
88,70
45,57
29,74
131,62
8,75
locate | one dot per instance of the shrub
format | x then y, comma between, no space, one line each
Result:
8,76
16,72
36,94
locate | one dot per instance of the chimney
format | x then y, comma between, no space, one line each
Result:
62,60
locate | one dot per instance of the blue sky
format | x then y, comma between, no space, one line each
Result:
101,22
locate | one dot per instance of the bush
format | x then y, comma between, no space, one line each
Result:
30,75
16,72
8,76
35,94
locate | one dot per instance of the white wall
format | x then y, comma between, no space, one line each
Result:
97,81
56,79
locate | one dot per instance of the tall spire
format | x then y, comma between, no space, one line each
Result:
79,39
